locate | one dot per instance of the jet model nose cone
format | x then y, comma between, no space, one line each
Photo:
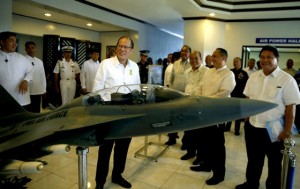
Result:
252,107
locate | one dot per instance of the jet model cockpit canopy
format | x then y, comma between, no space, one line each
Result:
132,94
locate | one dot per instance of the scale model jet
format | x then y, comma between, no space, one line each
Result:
123,111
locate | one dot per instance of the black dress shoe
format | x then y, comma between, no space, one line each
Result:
183,147
170,142
246,185
214,181
122,182
199,168
187,156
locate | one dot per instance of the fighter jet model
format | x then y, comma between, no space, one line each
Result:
123,111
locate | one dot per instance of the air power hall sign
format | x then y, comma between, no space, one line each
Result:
278,40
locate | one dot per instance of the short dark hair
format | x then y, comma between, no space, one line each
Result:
223,52
94,50
175,56
270,48
29,43
126,37
6,34
188,47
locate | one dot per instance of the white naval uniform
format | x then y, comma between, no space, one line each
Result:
67,71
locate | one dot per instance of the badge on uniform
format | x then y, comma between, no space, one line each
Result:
130,72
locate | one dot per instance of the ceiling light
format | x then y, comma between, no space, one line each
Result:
89,24
47,14
212,14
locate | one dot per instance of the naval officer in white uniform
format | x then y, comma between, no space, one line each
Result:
69,72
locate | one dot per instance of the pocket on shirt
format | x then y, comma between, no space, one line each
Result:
276,93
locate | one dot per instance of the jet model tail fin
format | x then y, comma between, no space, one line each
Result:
8,104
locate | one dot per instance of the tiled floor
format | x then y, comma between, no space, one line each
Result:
169,172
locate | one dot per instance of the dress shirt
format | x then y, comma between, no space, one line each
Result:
168,75
177,80
278,87
250,71
12,72
112,73
38,83
67,70
193,79
88,74
217,83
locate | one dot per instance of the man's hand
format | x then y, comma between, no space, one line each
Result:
283,135
83,91
23,87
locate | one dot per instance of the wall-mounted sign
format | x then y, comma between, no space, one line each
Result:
278,40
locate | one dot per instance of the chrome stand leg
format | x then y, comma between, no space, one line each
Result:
287,154
82,166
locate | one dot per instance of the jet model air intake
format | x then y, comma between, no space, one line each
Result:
57,149
21,167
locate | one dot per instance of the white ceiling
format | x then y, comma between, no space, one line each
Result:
168,15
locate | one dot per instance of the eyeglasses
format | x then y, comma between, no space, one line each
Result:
125,47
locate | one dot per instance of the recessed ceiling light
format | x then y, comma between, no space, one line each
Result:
212,14
47,14
89,24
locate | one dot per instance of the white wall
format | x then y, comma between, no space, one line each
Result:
233,35
204,35
245,33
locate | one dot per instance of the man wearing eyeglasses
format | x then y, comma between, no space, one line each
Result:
115,71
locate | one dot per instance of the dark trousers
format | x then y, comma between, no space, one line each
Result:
173,136
35,105
120,155
237,125
189,141
258,145
27,107
211,149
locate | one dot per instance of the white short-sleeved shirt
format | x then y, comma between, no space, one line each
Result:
13,72
88,74
193,79
38,83
278,87
217,82
112,73
67,70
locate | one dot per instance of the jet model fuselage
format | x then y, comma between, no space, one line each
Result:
146,110
109,114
